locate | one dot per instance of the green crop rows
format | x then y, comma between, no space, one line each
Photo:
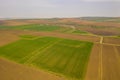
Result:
62,56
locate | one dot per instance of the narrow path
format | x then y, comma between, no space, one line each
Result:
111,44
101,42
72,29
101,39
101,64
100,59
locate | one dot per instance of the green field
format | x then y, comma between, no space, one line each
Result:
33,27
62,56
80,32
43,27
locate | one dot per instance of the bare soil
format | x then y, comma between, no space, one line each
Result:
13,71
111,40
104,63
54,34
118,48
110,63
6,38
102,31
60,21
90,26
93,65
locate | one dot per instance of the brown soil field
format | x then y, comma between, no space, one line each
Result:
101,31
70,36
25,22
13,71
93,65
104,63
85,22
118,48
14,23
111,40
6,38
61,21
54,34
97,28
110,63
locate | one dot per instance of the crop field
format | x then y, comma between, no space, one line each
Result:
111,63
65,57
104,62
33,27
43,27
89,25
60,49
79,31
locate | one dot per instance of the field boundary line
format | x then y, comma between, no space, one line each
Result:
111,44
100,63
37,53
31,38
72,29
107,44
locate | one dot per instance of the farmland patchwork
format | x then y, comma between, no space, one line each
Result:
61,56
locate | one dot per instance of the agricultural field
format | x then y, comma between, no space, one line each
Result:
60,49
65,25
33,27
13,71
65,57
45,28
102,19
79,31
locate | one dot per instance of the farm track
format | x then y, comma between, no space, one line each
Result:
72,29
100,62
109,62
112,72
100,59
101,39
111,44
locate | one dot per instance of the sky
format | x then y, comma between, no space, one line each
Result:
59,8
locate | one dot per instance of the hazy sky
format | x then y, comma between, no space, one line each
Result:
58,8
